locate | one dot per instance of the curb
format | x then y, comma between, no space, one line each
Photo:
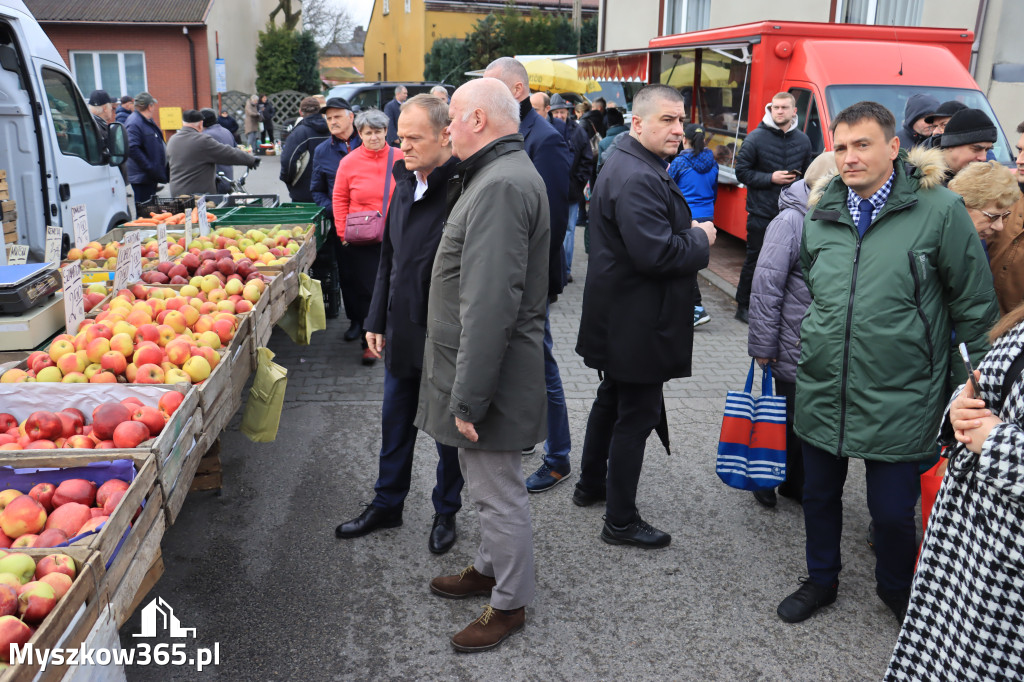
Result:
718,282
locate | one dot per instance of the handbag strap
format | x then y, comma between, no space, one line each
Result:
749,386
387,180
1012,374
766,381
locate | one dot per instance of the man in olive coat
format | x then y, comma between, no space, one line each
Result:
482,387
645,251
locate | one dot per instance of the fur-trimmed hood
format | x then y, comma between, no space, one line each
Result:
927,166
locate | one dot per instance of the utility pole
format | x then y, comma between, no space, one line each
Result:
577,22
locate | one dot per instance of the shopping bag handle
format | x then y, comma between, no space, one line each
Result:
749,386
766,379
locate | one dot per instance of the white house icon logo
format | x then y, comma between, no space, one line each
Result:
159,613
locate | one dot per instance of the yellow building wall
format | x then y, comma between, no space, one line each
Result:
401,39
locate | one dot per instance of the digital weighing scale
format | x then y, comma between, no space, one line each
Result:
23,287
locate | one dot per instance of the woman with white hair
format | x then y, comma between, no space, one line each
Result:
363,184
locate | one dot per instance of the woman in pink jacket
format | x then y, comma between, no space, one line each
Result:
363,176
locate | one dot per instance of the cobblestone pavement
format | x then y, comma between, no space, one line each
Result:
258,568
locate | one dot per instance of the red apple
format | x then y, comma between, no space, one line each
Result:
43,426
132,402
74,490
25,541
7,421
151,417
92,524
43,494
50,538
35,601
23,515
12,632
59,582
56,563
130,434
108,488
8,600
170,401
81,442
149,374
70,424
69,518
107,416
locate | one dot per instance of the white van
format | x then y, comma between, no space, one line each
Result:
49,143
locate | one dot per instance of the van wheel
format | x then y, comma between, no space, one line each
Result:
118,220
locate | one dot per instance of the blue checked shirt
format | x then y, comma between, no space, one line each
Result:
877,200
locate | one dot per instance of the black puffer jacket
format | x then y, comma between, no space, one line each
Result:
766,150
299,148
918,106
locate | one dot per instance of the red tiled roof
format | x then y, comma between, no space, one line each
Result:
120,11
589,6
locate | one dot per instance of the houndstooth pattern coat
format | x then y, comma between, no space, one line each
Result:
966,614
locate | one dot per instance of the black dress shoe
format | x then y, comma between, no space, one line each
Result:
442,534
355,330
741,314
370,520
639,534
766,497
896,600
802,604
581,498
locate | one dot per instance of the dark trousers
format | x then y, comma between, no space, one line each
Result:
756,226
398,439
892,489
144,191
268,131
357,272
794,484
621,419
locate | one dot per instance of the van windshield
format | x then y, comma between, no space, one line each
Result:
894,97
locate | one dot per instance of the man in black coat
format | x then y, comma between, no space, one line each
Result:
392,109
552,159
297,153
397,321
774,155
645,251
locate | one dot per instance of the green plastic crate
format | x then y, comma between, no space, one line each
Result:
285,214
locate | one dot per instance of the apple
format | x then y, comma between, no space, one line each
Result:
170,401
123,343
197,368
13,376
21,516
25,541
59,582
130,434
107,416
178,351
115,499
71,362
176,321
149,374
74,490
43,444
151,417
35,601
8,600
7,421
20,565
70,424
225,329
147,332
60,348
50,538
50,374
9,579
108,488
148,355
96,349
74,378
12,632
92,370
8,496
167,333
132,402
103,378
114,362
81,442
92,524
176,376
43,425
68,517
43,494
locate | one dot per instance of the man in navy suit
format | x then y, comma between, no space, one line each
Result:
552,158
397,321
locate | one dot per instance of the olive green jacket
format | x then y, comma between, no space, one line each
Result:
875,341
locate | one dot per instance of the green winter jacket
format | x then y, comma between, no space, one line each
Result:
875,342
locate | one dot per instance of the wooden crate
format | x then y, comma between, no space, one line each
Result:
236,358
10,233
103,635
5,193
70,621
8,210
209,473
175,493
121,582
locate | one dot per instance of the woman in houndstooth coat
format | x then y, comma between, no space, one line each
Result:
966,615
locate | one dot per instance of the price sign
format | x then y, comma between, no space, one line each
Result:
188,227
74,310
17,254
54,235
81,225
161,239
129,260
204,221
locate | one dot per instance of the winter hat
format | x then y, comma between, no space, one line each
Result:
559,102
945,110
144,99
209,117
97,98
192,116
918,106
336,103
967,127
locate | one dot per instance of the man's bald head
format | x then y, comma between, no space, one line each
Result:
481,111
513,74
541,103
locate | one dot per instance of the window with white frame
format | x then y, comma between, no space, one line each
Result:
683,16
881,12
385,7
119,73
408,6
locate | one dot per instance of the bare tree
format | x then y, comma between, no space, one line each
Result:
328,22
291,19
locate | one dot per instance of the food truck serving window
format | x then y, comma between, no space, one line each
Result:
894,97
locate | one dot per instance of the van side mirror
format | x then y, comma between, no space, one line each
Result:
117,143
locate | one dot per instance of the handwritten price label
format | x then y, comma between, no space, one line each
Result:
188,227
74,301
54,235
204,220
161,238
17,254
81,225
129,260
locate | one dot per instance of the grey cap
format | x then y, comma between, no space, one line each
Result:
559,102
144,99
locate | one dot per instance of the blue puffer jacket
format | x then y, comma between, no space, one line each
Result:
147,153
326,158
697,177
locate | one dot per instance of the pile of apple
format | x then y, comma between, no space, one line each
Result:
48,515
126,424
94,295
31,590
218,263
270,246
96,256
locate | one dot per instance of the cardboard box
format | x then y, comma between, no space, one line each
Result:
27,331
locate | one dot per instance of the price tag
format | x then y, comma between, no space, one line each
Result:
161,239
131,252
54,235
74,310
188,227
17,254
81,225
204,221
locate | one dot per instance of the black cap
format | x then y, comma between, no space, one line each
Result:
967,127
559,102
209,117
336,103
126,98
192,116
691,131
97,98
945,110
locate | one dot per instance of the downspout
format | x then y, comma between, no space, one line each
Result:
979,25
192,59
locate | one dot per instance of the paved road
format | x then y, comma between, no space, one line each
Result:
258,568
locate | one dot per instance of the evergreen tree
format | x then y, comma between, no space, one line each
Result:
286,60
447,61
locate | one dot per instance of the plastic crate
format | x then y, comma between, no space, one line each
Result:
165,205
251,200
285,214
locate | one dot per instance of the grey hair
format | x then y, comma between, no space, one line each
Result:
648,95
439,88
372,118
400,89
437,111
510,71
496,103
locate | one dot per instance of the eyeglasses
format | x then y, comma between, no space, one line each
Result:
995,217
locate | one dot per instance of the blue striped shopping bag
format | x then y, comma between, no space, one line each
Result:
752,445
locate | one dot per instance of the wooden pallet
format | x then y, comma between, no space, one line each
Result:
208,474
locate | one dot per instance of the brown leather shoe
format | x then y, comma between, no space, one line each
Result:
489,630
468,583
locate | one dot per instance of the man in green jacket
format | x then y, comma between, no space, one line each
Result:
894,265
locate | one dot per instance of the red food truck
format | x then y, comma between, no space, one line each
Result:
729,75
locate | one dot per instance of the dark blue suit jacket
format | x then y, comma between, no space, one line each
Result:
552,159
